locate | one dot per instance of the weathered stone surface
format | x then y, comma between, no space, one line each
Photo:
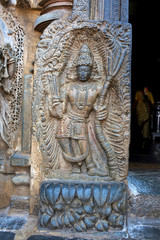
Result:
6,191
19,202
81,8
11,222
144,229
7,235
21,179
146,183
144,195
20,160
26,113
52,10
81,206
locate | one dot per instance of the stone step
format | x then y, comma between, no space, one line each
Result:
144,194
19,202
21,180
20,160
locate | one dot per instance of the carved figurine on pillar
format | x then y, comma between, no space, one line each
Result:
81,101
81,124
73,129
7,69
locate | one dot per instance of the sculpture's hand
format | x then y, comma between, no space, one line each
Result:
55,108
101,112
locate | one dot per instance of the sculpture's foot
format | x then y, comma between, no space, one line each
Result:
76,169
83,168
95,172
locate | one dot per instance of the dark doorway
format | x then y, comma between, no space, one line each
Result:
145,71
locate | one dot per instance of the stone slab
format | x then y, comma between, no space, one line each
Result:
19,202
144,194
7,235
144,229
147,184
20,160
11,223
78,207
40,237
21,179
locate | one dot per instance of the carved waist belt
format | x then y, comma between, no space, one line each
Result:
76,118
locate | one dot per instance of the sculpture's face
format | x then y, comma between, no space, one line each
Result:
84,73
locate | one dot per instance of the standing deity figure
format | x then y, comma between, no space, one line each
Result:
76,102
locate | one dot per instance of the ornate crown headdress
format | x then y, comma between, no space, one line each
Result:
84,56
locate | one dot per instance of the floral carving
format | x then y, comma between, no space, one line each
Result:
82,207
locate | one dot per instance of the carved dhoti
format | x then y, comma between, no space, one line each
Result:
73,127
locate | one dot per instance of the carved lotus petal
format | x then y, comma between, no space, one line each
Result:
100,193
68,192
84,192
112,219
71,218
99,226
105,211
89,207
80,227
90,221
42,194
66,221
116,192
53,192
54,223
44,220
60,221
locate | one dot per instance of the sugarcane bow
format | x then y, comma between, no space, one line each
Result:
115,61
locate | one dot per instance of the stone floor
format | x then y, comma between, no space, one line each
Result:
143,213
138,229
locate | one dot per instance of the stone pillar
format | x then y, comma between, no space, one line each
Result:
81,121
51,11
110,10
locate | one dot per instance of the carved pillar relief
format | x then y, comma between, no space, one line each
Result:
81,121
109,10
11,67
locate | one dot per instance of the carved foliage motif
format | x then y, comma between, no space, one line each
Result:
82,207
7,70
12,37
55,63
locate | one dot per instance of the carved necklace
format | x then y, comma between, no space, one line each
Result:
82,96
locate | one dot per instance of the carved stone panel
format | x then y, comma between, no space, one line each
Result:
82,207
81,104
11,67
109,10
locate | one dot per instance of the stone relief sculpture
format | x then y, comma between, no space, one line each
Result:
11,67
7,70
81,98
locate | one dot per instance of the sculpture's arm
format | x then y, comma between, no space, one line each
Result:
100,108
104,90
57,106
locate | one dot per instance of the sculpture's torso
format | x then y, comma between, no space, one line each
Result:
82,97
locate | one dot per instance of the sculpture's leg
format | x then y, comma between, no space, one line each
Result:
69,146
91,166
66,146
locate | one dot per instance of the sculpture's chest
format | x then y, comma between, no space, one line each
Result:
82,95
